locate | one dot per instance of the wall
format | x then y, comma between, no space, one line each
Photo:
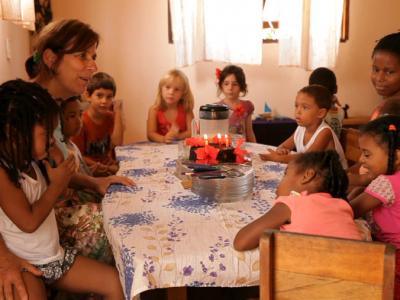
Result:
135,50
19,45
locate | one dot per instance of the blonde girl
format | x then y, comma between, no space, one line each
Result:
171,115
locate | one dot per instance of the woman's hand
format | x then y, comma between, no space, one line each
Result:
102,183
11,267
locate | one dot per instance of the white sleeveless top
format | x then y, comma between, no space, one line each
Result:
301,148
41,246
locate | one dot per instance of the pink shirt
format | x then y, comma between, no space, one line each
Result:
320,214
386,218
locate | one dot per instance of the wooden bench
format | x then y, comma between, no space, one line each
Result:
349,140
307,267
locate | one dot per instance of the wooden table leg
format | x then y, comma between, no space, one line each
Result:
178,293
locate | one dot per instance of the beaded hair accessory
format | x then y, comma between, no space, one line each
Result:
36,57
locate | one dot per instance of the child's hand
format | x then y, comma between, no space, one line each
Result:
117,105
271,155
171,135
104,182
61,175
282,151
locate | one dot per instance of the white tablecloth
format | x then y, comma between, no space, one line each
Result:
165,236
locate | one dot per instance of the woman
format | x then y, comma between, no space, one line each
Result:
62,62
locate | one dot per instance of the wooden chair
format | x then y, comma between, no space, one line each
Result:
349,140
307,267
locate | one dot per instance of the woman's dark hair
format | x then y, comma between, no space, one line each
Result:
22,106
327,165
385,131
389,43
62,37
239,75
321,95
324,77
101,80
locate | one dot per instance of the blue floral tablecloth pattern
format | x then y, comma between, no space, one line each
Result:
164,236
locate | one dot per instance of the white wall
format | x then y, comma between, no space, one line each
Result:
135,50
18,37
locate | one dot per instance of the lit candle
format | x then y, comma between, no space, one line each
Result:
205,139
219,139
226,141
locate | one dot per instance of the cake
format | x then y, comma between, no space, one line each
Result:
219,150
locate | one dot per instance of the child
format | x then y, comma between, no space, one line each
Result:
29,188
232,83
310,200
385,74
380,145
171,115
326,78
71,125
103,127
313,134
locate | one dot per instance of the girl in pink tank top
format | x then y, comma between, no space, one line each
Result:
310,200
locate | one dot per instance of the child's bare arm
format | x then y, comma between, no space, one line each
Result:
287,146
363,204
117,136
152,134
188,132
28,217
273,155
250,136
249,236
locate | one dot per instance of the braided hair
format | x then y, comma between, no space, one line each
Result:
22,106
327,165
385,131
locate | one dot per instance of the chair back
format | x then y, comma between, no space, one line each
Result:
299,266
349,140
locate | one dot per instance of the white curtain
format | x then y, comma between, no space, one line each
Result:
223,30
233,30
309,32
184,19
290,32
21,12
325,31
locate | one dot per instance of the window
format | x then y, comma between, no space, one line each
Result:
271,28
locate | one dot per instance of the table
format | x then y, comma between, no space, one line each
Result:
165,236
274,131
355,122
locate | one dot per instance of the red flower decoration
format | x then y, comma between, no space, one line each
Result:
239,110
218,73
207,155
240,153
194,141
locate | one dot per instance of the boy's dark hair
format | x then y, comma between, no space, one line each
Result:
321,95
22,106
389,43
239,74
101,80
62,37
324,77
385,130
327,165
391,107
